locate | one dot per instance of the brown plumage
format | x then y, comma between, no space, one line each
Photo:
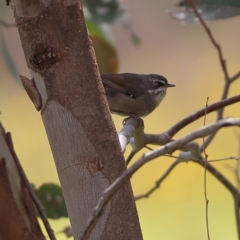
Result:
134,94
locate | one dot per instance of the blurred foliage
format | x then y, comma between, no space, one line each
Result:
106,55
209,10
100,14
8,58
105,10
50,195
105,52
212,2
4,47
2,8
94,29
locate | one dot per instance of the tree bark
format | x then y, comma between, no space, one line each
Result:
66,87
18,219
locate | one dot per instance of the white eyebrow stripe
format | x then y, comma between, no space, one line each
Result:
162,81
157,80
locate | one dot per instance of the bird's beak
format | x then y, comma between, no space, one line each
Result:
169,85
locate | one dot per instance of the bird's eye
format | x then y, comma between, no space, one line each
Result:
155,83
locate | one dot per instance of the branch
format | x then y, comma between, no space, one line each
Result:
214,42
130,157
228,80
130,129
184,157
234,77
205,177
220,177
154,138
159,181
139,139
168,148
28,186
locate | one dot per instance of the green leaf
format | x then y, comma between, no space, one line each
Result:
209,10
93,28
50,195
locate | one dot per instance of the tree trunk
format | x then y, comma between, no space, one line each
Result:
18,219
66,87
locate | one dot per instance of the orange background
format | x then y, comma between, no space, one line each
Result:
185,56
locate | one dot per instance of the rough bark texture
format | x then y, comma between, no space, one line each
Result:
18,218
74,110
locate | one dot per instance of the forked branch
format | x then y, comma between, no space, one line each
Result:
168,148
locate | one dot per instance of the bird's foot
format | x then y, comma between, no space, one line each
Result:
139,120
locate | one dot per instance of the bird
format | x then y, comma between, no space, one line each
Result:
131,94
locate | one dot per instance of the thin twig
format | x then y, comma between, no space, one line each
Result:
200,113
212,160
223,159
132,154
228,79
238,163
220,177
234,77
236,208
159,181
168,148
149,148
204,123
236,197
214,42
205,176
171,167
129,158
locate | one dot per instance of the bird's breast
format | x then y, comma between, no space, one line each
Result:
158,95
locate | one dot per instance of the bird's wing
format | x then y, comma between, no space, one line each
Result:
114,81
126,83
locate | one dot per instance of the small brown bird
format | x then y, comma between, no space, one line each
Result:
134,94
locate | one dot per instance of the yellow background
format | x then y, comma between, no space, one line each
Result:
185,56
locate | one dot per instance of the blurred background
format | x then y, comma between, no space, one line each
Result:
183,54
